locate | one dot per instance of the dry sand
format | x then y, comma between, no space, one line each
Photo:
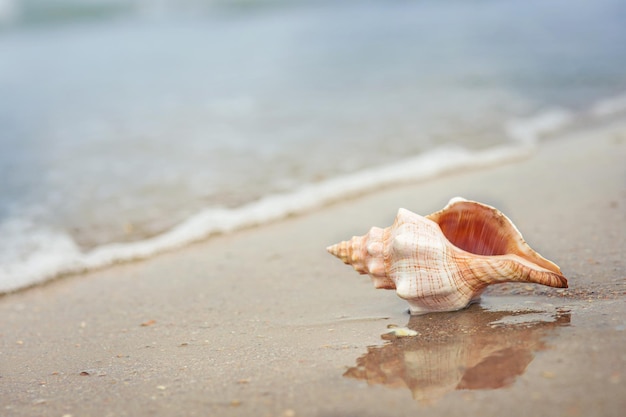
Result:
264,322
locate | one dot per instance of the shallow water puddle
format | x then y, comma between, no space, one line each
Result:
484,347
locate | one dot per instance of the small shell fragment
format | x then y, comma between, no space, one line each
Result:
396,332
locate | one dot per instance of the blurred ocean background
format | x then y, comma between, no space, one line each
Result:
128,127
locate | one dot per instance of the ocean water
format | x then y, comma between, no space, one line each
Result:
132,127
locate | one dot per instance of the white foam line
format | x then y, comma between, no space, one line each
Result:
40,267
529,130
610,106
275,207
57,254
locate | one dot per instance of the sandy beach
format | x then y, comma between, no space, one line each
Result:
264,322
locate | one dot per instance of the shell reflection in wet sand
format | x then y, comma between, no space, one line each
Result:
475,349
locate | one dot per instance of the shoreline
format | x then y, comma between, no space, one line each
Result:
262,321
62,256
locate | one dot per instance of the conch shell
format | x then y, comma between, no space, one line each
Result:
444,261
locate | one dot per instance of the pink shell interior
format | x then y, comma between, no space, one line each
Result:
483,230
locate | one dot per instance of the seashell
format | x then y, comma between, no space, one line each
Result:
444,261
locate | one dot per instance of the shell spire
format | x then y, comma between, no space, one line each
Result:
365,255
444,261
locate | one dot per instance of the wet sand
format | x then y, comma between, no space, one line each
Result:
264,322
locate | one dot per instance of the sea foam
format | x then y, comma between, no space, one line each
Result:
48,253
610,106
53,253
